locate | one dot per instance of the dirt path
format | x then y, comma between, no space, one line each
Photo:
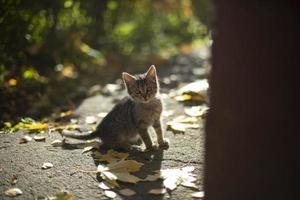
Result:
25,160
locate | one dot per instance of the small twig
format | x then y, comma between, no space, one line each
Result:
178,160
83,171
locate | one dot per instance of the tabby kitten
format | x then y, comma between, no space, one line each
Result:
131,118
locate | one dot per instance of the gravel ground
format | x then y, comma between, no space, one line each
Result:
24,161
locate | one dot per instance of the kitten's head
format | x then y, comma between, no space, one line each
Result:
142,87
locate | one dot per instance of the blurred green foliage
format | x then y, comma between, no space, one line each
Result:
52,51
39,35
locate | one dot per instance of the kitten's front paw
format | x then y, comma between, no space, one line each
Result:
152,148
164,144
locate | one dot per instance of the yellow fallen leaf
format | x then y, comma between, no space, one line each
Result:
119,171
66,114
110,194
195,91
7,124
177,127
39,138
25,139
196,111
198,194
181,123
126,177
12,82
127,192
68,127
184,119
36,126
74,121
12,192
125,166
111,156
183,97
63,195
158,191
198,86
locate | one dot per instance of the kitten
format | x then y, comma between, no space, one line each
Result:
131,118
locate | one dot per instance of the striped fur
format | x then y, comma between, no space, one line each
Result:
131,118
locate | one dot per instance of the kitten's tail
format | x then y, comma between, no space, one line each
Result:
88,136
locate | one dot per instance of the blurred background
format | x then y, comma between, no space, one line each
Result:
54,53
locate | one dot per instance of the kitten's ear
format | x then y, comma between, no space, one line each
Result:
151,73
127,78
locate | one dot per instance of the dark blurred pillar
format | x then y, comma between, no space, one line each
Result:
251,146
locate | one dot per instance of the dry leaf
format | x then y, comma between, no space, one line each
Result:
25,139
167,113
12,82
127,192
74,121
63,195
198,194
89,148
110,194
39,138
57,143
171,182
196,111
181,123
175,127
47,165
158,191
119,171
14,180
125,166
102,114
13,192
111,88
195,91
36,126
66,114
111,156
186,120
90,120
189,184
87,145
67,127
126,177
151,177
174,177
103,186
188,168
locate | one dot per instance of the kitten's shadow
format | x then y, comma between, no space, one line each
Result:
151,163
